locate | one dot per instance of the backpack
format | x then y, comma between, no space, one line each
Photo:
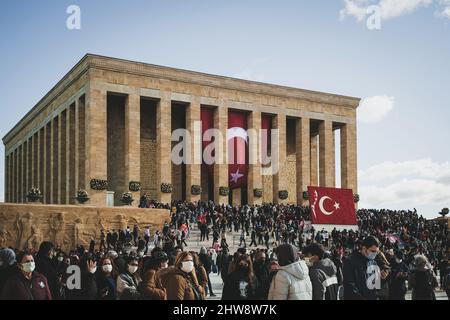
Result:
331,287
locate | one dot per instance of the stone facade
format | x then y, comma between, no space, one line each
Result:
25,226
111,119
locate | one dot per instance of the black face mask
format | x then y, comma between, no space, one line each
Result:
243,269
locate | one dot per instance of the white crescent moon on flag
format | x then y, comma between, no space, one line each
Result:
237,132
321,201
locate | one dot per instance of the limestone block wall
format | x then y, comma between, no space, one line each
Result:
25,226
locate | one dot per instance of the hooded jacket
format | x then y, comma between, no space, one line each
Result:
291,282
17,287
360,276
323,277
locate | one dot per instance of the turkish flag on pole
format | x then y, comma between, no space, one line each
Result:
332,206
237,149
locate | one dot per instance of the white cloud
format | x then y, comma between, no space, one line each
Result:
421,184
355,8
374,109
444,11
388,8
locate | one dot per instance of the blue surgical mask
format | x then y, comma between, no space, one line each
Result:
372,255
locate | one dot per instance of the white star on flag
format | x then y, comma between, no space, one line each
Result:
336,205
235,176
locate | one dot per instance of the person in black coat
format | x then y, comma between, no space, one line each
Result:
46,267
362,276
7,265
206,260
399,275
88,266
262,274
241,284
106,280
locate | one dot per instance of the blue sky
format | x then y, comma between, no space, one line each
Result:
401,70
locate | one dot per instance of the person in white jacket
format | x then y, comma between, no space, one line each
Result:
292,280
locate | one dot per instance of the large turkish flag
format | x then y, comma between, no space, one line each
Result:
332,206
237,149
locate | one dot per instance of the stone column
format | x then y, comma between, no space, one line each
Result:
51,161
279,122
69,146
314,155
221,148
326,154
21,180
37,159
32,157
348,158
193,168
25,170
96,142
133,143
254,180
303,149
236,197
60,151
333,162
6,173
13,177
163,149
77,153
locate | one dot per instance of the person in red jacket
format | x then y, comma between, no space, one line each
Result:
26,284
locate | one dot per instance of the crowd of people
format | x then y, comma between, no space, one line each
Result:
280,256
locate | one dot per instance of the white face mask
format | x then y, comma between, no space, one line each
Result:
107,268
132,269
187,266
93,270
60,259
28,266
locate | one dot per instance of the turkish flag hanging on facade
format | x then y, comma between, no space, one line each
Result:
332,206
237,149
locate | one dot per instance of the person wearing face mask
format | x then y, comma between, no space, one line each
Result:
322,272
46,266
182,283
89,289
241,283
362,276
292,280
152,288
262,274
128,282
7,265
26,284
105,279
399,275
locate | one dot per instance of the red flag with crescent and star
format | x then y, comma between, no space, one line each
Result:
237,149
332,206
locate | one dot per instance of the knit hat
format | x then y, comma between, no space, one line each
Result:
8,257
